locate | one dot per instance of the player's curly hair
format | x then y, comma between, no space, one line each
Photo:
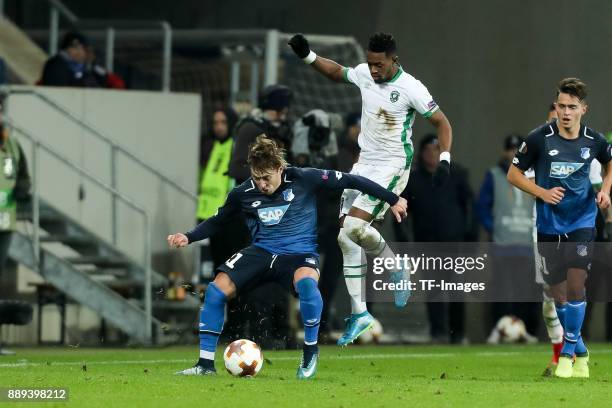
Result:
572,86
265,154
382,42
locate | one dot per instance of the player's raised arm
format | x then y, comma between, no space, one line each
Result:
208,227
331,69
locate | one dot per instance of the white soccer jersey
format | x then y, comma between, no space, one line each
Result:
387,114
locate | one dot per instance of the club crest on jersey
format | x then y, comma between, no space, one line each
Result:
585,152
272,215
288,195
582,250
394,96
561,170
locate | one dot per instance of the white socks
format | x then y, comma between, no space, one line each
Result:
355,235
553,325
354,271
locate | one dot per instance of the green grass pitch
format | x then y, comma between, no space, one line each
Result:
357,376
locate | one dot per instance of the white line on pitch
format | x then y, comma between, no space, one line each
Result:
289,358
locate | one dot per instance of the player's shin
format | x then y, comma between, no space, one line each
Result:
573,324
553,325
354,271
561,309
212,317
374,245
311,305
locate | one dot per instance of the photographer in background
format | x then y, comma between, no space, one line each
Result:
270,119
315,145
314,141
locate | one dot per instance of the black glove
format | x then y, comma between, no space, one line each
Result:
442,173
299,45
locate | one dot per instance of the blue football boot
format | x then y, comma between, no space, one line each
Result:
401,295
356,325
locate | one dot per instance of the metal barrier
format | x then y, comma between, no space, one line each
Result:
38,145
57,9
115,148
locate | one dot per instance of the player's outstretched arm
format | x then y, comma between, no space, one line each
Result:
331,69
336,180
207,227
177,240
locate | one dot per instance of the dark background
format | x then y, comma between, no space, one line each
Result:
492,65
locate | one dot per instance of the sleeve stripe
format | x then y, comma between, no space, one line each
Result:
431,112
346,78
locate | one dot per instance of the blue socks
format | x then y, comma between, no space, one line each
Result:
311,305
574,316
212,316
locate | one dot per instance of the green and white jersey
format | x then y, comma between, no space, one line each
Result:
387,114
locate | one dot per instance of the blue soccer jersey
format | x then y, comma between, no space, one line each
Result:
561,162
286,222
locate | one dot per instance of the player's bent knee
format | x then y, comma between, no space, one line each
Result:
305,273
225,284
355,228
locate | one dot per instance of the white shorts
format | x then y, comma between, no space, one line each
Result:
392,178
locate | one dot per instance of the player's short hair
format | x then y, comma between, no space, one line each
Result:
382,42
265,154
572,86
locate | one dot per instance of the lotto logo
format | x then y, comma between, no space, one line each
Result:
562,170
272,215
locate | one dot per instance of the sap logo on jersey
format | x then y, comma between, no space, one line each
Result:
561,170
272,215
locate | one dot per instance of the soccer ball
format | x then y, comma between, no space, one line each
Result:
373,335
243,358
509,329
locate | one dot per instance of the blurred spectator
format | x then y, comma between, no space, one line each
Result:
506,213
348,152
67,67
315,145
270,119
348,144
14,187
96,76
215,154
440,214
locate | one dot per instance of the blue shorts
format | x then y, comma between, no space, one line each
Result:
561,252
253,266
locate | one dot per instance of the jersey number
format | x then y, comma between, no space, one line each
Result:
230,262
